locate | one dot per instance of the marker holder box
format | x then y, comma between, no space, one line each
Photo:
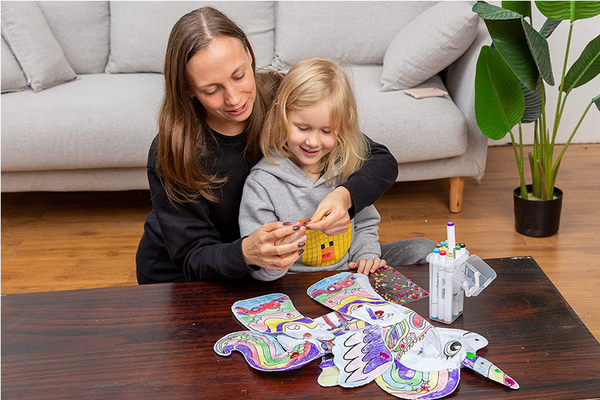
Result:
451,279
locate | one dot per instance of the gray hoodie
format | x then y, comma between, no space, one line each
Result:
283,192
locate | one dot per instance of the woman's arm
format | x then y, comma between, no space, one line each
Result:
361,189
256,210
376,176
191,239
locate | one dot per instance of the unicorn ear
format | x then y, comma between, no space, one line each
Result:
489,370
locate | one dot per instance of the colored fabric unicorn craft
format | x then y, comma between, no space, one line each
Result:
365,339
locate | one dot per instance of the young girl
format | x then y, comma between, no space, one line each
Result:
213,110
312,142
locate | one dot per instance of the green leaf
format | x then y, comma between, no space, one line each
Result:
596,101
490,12
522,7
539,49
499,101
585,68
569,10
549,26
509,38
533,103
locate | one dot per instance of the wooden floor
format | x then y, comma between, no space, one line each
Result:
62,241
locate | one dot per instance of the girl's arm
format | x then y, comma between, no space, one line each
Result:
361,189
365,243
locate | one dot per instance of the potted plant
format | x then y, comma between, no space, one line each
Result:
510,88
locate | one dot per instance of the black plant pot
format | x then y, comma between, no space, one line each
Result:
537,218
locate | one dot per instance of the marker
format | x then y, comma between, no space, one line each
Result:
448,288
451,236
457,251
440,285
433,279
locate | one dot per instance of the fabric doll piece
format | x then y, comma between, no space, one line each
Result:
275,313
366,338
265,353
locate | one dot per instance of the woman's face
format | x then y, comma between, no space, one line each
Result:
221,78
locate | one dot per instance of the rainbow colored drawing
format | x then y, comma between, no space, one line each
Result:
366,339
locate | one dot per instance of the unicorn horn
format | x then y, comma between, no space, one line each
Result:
489,370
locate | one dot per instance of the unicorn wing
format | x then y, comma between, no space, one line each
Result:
361,356
274,314
265,353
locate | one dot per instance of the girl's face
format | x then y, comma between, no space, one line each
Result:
310,137
221,78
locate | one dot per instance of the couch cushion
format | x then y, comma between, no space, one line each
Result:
81,28
413,130
356,32
27,34
13,79
428,44
140,46
97,121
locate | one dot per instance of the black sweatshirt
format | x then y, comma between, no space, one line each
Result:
201,240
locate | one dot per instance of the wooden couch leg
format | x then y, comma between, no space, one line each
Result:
457,184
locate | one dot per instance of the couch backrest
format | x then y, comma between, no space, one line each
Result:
357,32
139,31
81,28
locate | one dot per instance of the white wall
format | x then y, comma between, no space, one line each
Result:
589,131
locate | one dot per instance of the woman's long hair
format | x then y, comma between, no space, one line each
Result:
183,136
309,83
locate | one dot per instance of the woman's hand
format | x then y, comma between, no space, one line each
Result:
272,246
367,265
332,216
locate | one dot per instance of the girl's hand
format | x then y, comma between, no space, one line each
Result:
367,265
271,245
332,216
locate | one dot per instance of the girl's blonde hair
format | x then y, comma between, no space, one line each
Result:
184,140
307,84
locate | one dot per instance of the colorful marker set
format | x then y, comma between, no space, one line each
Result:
395,287
447,297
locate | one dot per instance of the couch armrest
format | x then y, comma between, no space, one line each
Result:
460,82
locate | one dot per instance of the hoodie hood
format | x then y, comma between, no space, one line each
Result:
285,169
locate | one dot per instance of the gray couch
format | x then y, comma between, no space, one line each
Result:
93,133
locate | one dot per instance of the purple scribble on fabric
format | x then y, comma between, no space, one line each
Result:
376,353
470,363
453,379
327,361
344,309
405,372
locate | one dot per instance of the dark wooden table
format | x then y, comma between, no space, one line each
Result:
156,342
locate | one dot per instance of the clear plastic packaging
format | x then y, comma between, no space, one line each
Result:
451,277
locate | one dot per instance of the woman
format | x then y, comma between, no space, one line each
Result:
209,122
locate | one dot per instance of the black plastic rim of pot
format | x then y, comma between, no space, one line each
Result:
537,218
